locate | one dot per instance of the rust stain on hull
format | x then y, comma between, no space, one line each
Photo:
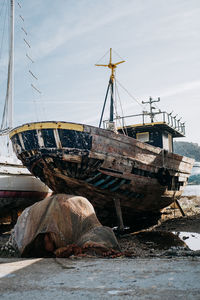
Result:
102,166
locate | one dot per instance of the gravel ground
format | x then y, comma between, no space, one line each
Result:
145,279
161,266
156,241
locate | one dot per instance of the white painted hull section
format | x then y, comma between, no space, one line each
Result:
18,188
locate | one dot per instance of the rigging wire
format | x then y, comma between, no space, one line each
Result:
32,74
103,56
117,92
132,97
27,43
123,125
34,77
21,18
117,97
22,28
29,58
143,105
118,55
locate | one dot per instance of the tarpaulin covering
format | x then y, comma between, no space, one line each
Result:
58,221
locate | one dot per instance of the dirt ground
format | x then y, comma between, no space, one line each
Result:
163,238
157,241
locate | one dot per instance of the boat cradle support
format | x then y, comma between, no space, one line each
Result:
119,214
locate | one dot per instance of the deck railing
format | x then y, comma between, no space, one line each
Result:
146,118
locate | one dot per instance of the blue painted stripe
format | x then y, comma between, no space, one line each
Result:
103,180
109,183
99,182
93,178
116,187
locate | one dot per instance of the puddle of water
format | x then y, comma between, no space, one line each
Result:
162,240
191,239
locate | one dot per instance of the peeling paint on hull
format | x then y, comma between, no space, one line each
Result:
102,166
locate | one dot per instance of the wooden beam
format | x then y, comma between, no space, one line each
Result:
119,214
179,207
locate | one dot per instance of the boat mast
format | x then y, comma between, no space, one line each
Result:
7,120
10,85
112,66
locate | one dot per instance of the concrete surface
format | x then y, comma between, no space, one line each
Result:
99,278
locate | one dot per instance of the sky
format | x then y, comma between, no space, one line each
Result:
158,39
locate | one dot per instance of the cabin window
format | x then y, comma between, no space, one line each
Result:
142,137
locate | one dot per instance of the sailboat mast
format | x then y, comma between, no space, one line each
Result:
7,121
10,84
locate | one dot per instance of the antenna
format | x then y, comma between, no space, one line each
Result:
151,107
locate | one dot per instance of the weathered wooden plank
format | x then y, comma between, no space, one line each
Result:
102,166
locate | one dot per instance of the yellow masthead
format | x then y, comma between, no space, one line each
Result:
111,65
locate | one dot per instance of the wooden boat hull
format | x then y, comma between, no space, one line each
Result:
102,166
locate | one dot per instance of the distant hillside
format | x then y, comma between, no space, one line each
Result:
194,179
191,150
187,149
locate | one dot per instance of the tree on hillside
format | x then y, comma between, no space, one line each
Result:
187,149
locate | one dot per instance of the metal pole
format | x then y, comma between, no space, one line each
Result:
10,68
151,110
104,104
111,102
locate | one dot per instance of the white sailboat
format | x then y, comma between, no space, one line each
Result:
18,188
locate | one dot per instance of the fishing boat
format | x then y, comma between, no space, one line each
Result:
18,187
127,173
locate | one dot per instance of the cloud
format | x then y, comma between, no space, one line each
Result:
66,27
181,88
